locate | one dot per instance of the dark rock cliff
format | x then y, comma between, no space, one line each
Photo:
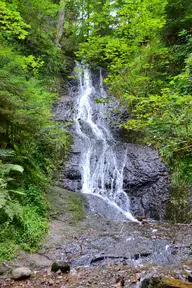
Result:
145,176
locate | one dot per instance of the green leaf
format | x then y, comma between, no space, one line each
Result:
17,192
6,168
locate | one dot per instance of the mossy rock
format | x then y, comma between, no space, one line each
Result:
164,282
63,202
65,267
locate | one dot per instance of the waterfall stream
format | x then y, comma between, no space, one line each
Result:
101,171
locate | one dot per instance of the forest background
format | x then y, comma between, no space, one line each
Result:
146,47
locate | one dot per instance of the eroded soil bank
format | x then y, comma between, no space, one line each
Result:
101,252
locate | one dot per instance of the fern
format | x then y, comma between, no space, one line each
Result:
8,206
12,209
7,168
3,183
6,154
3,198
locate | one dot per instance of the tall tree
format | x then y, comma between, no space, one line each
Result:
60,24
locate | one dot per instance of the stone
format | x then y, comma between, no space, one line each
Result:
65,267
136,277
51,282
164,282
120,282
4,270
21,273
141,218
54,267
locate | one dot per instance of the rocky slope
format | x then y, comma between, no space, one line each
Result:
103,252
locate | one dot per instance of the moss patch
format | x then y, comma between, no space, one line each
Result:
76,207
71,205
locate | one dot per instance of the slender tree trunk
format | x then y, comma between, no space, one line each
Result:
60,23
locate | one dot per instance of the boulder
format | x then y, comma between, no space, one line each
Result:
21,273
164,282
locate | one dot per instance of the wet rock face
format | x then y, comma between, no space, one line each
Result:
63,112
146,182
145,176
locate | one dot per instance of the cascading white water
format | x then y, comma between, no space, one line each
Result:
102,172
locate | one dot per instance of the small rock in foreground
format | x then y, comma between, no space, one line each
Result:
136,277
65,267
21,273
120,282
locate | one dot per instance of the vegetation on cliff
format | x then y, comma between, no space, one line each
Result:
32,146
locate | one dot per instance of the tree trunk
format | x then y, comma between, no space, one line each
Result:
60,24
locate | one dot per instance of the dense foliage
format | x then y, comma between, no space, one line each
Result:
32,146
146,47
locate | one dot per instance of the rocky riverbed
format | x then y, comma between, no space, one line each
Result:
103,253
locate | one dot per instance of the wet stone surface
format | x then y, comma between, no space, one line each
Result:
127,244
95,241
99,251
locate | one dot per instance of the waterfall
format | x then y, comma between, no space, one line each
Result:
101,171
